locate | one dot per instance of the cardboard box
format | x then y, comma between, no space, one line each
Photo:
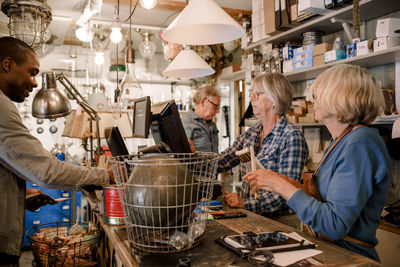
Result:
293,119
308,118
312,6
334,55
287,66
272,16
318,60
293,11
299,111
285,16
387,27
382,43
364,47
320,49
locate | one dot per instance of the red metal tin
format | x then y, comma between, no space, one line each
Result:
113,212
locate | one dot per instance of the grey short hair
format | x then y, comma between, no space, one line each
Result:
277,89
204,91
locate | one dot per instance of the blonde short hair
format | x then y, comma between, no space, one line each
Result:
277,89
350,93
204,91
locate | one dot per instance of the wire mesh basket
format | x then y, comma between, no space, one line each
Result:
160,193
52,246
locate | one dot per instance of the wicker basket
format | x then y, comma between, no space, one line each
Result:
160,193
53,247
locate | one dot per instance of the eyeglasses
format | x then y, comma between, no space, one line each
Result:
256,94
314,96
215,105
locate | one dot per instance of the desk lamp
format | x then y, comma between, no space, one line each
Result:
50,102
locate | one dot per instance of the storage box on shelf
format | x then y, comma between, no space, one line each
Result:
369,9
60,212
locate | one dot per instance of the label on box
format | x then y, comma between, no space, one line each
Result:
303,64
362,48
351,50
303,49
382,43
303,56
334,55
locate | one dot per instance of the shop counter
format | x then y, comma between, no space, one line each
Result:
115,247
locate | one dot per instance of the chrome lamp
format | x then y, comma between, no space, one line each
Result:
29,20
49,102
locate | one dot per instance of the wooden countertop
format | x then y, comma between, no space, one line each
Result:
332,254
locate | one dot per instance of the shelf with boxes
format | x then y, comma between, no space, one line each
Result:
372,59
369,9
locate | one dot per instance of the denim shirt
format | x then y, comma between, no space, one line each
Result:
203,133
23,158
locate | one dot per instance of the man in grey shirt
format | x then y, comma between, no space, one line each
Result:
198,124
22,156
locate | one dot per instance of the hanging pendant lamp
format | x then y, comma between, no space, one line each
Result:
187,65
203,22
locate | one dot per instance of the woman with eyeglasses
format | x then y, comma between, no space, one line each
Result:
198,124
354,176
278,145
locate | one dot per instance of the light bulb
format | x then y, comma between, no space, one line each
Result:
147,49
84,33
116,35
148,4
99,58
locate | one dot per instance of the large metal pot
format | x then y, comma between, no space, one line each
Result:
161,192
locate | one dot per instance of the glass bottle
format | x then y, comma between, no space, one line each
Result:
130,86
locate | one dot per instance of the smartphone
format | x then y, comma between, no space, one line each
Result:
229,215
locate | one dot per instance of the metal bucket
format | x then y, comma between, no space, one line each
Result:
113,212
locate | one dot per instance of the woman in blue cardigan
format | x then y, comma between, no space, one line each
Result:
353,179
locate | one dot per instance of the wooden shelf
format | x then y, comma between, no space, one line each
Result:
368,60
369,9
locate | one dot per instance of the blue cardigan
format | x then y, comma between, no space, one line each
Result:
353,182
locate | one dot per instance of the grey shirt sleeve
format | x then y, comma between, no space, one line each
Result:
24,155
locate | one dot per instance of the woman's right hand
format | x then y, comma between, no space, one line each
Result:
270,181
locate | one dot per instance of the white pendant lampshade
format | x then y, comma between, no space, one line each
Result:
203,22
187,65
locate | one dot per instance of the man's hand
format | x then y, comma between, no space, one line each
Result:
233,200
192,145
35,198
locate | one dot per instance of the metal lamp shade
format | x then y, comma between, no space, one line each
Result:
203,22
49,102
187,65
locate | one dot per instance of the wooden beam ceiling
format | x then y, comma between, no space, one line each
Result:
178,6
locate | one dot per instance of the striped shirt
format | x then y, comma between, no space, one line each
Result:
283,150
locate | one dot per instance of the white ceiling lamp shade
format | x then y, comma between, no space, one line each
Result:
188,65
203,22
